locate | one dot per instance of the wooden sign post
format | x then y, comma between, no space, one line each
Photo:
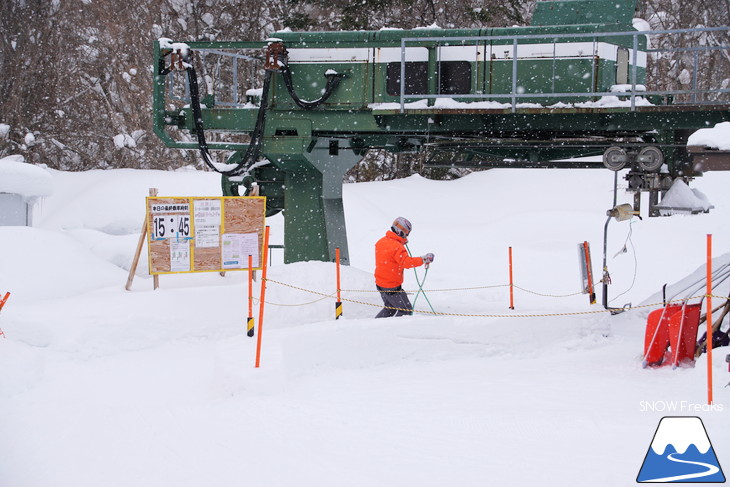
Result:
138,252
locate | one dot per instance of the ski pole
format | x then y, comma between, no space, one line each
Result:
420,284
420,289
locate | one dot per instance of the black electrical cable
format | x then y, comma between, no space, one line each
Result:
333,79
254,146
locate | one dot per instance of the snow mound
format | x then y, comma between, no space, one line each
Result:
40,264
27,180
98,200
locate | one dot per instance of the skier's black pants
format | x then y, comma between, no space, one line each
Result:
396,302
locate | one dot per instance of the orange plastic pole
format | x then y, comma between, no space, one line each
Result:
263,296
708,340
511,283
589,272
249,321
337,262
2,303
338,304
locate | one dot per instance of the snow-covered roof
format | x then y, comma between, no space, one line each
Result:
27,180
717,137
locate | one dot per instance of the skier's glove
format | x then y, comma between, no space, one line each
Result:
427,259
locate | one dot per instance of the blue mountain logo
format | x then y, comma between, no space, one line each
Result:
681,452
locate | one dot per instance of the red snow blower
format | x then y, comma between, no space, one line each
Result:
670,334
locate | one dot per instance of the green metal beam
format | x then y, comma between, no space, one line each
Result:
310,150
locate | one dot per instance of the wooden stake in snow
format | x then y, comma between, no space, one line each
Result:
138,252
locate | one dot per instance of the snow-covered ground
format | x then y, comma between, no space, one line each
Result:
105,387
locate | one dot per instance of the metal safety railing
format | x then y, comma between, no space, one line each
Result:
690,46
633,93
179,89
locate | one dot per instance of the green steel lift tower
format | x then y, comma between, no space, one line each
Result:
288,116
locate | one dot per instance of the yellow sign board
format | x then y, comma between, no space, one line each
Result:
205,234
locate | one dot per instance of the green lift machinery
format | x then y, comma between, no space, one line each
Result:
289,116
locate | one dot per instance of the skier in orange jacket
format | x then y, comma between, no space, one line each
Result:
391,257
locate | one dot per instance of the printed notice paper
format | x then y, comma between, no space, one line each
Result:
235,249
179,255
207,219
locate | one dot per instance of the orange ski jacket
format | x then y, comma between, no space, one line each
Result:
391,258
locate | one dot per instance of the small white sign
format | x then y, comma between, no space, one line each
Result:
207,212
207,218
235,249
179,255
207,236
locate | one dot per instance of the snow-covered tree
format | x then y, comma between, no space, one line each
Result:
77,77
